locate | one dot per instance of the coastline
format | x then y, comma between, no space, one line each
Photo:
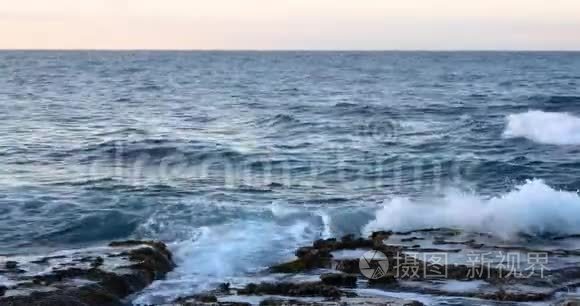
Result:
328,272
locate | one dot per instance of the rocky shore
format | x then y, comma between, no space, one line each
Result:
102,276
347,271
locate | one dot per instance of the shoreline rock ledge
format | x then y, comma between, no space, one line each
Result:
100,276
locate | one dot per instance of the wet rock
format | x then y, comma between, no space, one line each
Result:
569,302
381,235
97,262
349,266
346,301
200,298
196,303
387,279
338,279
224,287
319,254
89,277
308,259
506,296
280,302
2,290
314,289
11,265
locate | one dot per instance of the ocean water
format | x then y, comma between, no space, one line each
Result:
236,158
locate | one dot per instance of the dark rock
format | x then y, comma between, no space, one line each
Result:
2,290
292,289
90,295
347,301
382,235
108,283
570,302
325,243
97,262
158,245
346,238
303,251
387,279
349,266
311,259
319,254
203,298
279,302
338,279
197,303
11,265
224,287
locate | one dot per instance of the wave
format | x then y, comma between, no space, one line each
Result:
544,127
533,209
230,252
156,150
563,99
280,119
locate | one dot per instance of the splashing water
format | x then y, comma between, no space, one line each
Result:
533,208
544,127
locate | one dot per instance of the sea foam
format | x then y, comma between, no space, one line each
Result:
544,127
533,208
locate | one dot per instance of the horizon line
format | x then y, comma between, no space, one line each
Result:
275,50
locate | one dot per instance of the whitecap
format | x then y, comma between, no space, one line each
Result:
544,127
533,208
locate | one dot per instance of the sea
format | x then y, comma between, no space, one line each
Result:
235,159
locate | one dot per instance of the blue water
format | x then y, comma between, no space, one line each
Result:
235,158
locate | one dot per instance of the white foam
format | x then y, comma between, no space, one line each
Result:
533,208
462,286
544,127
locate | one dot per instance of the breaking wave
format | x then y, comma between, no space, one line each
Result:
544,127
533,208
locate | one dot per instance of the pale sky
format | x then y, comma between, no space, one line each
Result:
291,24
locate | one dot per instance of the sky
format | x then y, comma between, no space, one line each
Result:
291,24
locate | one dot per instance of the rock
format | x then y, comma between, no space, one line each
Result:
349,266
193,302
11,265
338,279
319,254
201,298
346,238
350,301
309,259
388,279
2,290
381,235
90,277
280,302
315,289
570,302
224,287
